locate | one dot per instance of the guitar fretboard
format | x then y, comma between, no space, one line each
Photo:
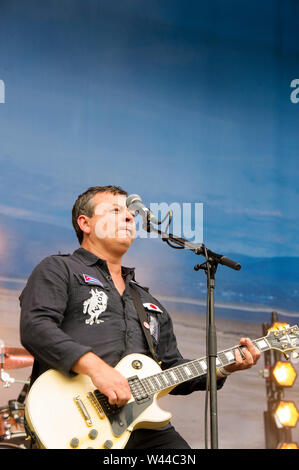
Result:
192,369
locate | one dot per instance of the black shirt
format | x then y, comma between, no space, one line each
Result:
70,306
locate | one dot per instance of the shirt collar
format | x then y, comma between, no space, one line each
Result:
90,258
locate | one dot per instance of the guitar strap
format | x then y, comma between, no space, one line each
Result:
143,320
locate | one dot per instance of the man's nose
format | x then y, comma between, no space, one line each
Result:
129,216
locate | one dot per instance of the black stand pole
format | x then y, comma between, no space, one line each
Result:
210,267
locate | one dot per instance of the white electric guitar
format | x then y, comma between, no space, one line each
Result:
68,413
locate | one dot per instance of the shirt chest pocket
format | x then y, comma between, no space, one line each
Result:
88,299
87,289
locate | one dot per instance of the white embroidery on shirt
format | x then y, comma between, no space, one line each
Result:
95,305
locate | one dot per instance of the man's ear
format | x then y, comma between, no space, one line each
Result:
83,222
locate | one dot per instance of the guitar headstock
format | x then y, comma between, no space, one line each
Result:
285,339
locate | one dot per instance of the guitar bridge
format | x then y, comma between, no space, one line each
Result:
83,410
96,405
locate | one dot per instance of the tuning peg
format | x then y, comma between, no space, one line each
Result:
295,357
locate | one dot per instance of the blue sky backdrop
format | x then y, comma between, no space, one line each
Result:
176,101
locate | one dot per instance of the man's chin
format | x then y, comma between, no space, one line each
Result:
121,242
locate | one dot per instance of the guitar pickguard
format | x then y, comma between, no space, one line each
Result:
127,414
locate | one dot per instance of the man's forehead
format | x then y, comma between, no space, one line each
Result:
106,200
110,197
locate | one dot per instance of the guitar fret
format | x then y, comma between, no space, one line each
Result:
146,385
198,367
174,377
151,386
223,358
160,380
188,370
218,362
261,344
169,377
154,383
230,356
178,375
182,372
194,369
165,378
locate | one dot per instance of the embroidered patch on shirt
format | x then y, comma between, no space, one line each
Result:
95,306
91,280
152,308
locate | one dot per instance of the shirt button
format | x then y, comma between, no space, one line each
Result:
109,278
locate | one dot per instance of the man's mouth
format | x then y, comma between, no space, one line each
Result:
126,229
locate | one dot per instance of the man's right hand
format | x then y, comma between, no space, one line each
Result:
112,384
107,380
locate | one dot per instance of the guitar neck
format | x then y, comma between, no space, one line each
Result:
192,369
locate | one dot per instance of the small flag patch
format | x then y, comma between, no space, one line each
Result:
91,280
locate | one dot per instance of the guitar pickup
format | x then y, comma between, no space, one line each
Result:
109,410
138,391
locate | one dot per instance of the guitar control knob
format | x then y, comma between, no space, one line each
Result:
108,444
74,442
137,364
93,434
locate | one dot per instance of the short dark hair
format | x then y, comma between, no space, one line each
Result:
84,204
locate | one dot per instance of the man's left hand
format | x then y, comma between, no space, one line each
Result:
251,353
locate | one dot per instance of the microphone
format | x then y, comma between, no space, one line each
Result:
135,202
221,260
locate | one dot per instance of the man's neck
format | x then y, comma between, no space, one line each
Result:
113,260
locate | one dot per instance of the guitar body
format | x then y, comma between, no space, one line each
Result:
61,415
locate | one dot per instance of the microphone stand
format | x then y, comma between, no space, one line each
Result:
210,268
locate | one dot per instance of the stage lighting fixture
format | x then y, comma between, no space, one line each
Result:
284,374
278,325
288,445
286,414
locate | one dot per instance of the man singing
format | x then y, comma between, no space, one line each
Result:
78,315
